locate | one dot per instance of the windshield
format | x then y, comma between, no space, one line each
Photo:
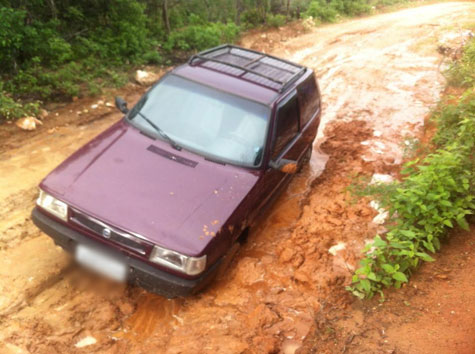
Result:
209,122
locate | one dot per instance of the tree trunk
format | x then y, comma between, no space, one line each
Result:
166,20
238,11
54,11
288,8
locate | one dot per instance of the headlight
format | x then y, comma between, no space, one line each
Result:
53,205
178,261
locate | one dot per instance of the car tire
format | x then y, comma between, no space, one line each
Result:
228,258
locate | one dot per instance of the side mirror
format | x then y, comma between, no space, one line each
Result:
121,105
284,165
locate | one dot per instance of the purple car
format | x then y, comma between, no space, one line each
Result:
163,196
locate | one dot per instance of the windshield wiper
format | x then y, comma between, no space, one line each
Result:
164,135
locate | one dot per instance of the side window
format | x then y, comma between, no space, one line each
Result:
287,124
309,99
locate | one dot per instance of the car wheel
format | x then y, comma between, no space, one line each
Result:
228,258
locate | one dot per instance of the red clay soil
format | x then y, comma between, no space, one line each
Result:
433,313
284,292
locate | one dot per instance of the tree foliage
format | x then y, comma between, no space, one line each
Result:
57,49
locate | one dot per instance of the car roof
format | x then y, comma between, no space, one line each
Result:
243,72
227,83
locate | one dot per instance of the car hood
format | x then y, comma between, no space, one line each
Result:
144,186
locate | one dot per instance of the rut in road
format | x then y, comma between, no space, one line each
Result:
379,78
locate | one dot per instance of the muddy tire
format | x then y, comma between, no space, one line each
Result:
228,258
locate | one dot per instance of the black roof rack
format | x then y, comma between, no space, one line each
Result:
263,69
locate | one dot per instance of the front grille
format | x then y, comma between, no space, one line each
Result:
110,233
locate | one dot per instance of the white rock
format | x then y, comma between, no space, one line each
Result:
94,106
340,246
381,178
382,213
85,342
28,123
381,218
145,78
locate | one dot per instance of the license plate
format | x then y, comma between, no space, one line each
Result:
101,263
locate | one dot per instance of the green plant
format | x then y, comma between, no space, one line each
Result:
276,20
152,57
252,18
322,11
11,109
437,193
55,50
462,72
200,37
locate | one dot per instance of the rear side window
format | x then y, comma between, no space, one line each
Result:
309,99
287,124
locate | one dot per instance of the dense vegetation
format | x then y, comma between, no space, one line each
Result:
55,50
436,194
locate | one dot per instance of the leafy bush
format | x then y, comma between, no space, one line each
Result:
276,20
252,18
437,193
199,37
328,11
462,72
322,11
355,8
39,41
10,109
52,50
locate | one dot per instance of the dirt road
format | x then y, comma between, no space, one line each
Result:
379,78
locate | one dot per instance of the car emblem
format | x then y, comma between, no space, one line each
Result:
106,233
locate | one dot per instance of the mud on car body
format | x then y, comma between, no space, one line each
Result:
161,197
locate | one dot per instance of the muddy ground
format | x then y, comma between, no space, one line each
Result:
284,292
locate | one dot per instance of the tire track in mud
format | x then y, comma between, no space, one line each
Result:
284,275
15,223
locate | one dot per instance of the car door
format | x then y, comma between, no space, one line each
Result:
286,144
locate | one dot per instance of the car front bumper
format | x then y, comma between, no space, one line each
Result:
140,273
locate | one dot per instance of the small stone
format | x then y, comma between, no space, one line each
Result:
145,78
43,114
340,246
379,178
28,123
85,342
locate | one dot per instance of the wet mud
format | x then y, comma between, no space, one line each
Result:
379,78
